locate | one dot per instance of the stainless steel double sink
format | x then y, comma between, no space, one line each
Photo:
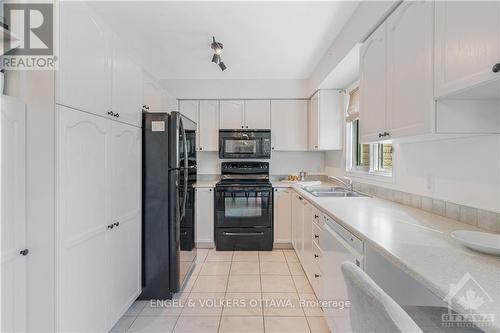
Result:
332,191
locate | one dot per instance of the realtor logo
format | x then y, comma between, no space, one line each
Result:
469,294
28,36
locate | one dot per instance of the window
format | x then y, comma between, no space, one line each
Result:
371,158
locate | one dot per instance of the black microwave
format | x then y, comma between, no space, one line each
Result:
234,144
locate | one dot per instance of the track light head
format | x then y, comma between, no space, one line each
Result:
216,58
222,66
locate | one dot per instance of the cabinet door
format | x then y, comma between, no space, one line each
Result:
313,122
307,239
231,115
410,40
258,114
124,239
191,109
82,215
13,216
297,223
282,215
83,78
209,126
467,44
289,125
204,232
126,85
372,103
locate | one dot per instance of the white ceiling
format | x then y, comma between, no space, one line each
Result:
262,40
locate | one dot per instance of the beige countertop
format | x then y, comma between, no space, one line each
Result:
419,243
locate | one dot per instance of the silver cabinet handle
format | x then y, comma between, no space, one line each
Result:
243,233
24,252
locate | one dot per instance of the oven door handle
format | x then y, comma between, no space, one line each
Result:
243,233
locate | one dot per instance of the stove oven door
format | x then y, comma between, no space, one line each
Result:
243,206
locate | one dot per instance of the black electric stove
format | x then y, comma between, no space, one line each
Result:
244,207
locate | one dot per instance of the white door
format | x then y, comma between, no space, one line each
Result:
289,123
204,217
372,103
124,238
82,151
231,115
126,85
410,43
209,126
313,122
258,114
13,215
467,44
282,216
83,78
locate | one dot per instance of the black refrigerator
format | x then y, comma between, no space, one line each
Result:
169,173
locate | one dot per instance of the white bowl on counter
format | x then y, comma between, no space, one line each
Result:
480,241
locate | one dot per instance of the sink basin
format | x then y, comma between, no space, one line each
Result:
332,191
346,194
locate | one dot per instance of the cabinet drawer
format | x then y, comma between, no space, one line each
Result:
316,280
317,254
317,234
316,216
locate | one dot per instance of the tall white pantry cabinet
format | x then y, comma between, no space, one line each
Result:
98,144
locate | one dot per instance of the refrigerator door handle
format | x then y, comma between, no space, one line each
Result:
186,173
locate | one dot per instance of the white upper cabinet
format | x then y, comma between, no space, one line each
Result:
190,109
467,44
84,76
326,112
373,76
289,122
231,114
97,73
410,95
208,129
258,114
126,87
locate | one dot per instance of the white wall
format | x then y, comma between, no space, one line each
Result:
219,89
465,171
281,163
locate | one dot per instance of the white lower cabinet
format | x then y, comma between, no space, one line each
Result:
282,216
297,223
98,230
204,233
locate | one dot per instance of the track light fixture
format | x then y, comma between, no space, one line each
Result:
216,58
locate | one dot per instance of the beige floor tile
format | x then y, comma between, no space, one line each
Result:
171,307
275,255
201,254
277,284
318,325
282,304
241,324
214,283
215,268
243,284
197,268
136,308
219,256
242,304
311,306
274,268
197,325
290,256
302,285
159,324
203,304
188,285
286,325
245,268
246,256
296,268
123,324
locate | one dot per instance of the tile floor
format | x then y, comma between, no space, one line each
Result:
234,292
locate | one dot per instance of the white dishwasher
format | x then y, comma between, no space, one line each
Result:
338,245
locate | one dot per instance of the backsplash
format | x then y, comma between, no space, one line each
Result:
483,219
